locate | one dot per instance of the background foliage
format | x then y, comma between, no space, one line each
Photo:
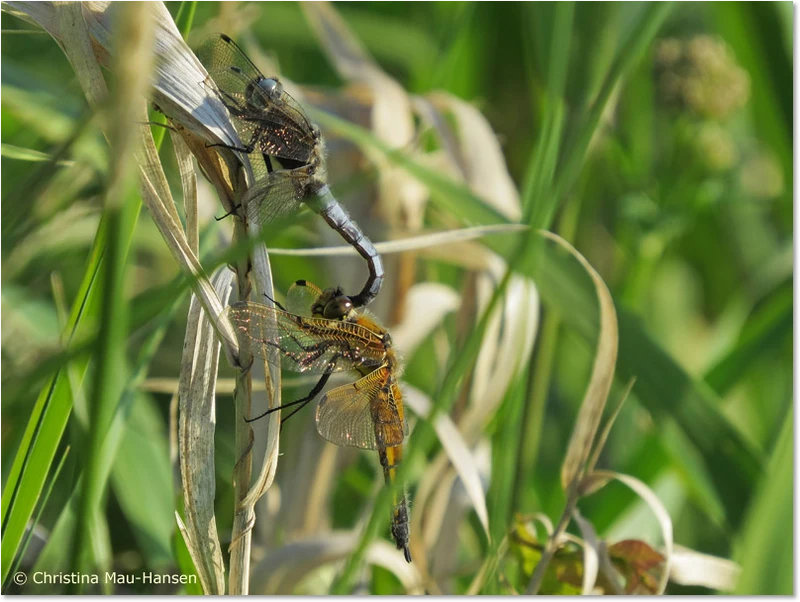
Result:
679,193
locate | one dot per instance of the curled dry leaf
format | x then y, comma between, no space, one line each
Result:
189,188
481,155
664,521
591,553
196,439
172,232
583,436
427,304
457,451
609,573
401,198
543,520
508,344
179,79
272,380
592,483
693,568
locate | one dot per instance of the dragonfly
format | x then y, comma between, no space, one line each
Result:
272,125
367,413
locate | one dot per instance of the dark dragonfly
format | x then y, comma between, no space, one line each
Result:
272,125
367,413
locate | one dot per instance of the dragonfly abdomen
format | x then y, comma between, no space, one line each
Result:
390,460
324,203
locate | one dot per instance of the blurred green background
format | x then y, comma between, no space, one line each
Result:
682,201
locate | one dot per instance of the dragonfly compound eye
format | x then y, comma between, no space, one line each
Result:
272,88
263,92
338,307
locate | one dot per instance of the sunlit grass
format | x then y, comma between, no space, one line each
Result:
685,213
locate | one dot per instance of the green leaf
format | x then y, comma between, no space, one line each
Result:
770,323
19,153
142,481
48,419
766,552
662,386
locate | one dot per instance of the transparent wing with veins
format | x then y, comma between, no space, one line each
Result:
314,345
275,126
362,414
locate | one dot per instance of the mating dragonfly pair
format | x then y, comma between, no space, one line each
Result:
320,332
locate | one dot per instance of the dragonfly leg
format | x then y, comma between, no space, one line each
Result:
278,305
267,162
231,212
163,125
302,402
242,149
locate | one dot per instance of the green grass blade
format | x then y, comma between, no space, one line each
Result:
185,17
141,478
766,551
52,558
662,386
44,499
19,153
49,417
670,393
109,373
133,54
544,158
628,57
769,324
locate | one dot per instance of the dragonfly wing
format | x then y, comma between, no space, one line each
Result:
344,415
275,125
219,53
276,196
360,414
301,298
305,344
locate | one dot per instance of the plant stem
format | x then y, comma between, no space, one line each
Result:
244,515
552,545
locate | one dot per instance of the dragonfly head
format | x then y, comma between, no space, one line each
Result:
333,304
263,92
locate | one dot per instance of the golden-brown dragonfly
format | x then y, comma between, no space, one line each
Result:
321,332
